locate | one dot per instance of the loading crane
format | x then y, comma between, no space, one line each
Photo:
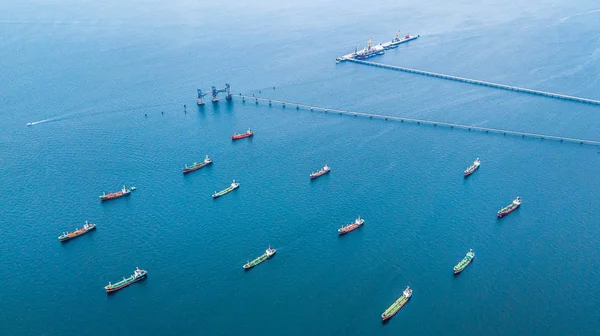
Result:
215,92
201,97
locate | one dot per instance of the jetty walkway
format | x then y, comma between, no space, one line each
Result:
297,106
477,82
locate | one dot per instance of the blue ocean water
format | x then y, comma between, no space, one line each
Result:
89,71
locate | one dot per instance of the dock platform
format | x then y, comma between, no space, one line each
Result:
469,128
478,82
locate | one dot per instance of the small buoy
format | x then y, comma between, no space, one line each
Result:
163,113
273,88
145,115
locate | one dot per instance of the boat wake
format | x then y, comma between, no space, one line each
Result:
577,14
91,112
39,122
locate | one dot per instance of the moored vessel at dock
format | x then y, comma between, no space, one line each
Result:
234,185
321,172
138,275
351,227
124,192
464,262
87,227
399,40
472,168
268,253
242,135
395,307
196,166
369,51
510,208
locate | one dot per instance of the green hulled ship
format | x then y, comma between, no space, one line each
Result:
138,275
196,165
395,307
234,185
268,253
465,262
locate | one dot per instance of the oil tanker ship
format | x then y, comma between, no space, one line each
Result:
124,192
321,172
242,135
369,51
351,227
234,185
472,168
268,253
465,262
87,227
510,208
138,275
197,166
395,307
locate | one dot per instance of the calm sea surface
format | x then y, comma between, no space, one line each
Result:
89,71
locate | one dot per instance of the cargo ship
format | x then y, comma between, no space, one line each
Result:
234,185
351,227
472,168
465,262
395,307
113,195
197,166
268,253
87,227
242,135
138,275
321,172
399,40
510,208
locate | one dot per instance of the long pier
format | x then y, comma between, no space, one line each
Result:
469,128
477,82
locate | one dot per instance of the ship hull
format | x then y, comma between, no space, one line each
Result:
65,239
458,271
108,198
467,173
112,290
393,313
500,215
343,232
189,170
312,177
348,229
241,136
